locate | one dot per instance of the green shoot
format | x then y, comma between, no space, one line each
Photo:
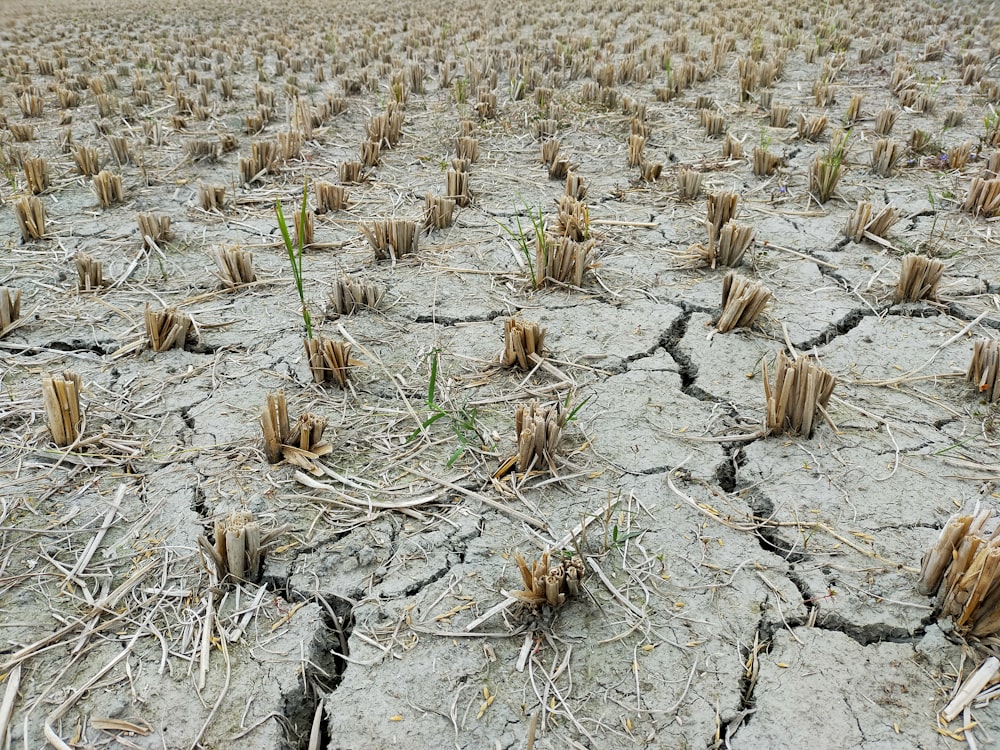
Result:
295,253
463,424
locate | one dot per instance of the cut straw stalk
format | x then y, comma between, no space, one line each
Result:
10,309
522,341
90,273
282,441
861,223
166,329
984,367
742,301
61,396
349,295
563,260
538,430
546,583
30,213
238,551
918,279
329,361
235,266
800,390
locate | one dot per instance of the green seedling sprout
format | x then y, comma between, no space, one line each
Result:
524,244
295,253
463,424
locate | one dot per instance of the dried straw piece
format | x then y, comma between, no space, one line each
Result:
10,309
853,109
235,266
166,329
918,279
984,367
550,150
547,584
538,430
721,208
726,246
650,171
274,425
779,115
573,220
559,168
522,341
62,407
438,211
742,301
329,361
349,295
732,148
801,389
108,188
211,197
861,222
371,153
22,132
200,149
30,213
713,122
119,149
392,238
486,104
90,273
329,197
885,120
154,229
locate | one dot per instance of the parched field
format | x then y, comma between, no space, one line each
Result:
322,325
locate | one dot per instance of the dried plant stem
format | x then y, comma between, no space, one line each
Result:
984,368
800,390
918,279
521,341
742,301
166,329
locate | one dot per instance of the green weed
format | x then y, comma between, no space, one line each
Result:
462,422
528,245
295,253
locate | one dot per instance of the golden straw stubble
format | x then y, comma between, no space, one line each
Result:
61,395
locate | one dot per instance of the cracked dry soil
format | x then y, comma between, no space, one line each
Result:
742,592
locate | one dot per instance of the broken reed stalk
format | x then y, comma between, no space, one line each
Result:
329,197
984,367
166,329
108,188
154,229
30,213
548,584
352,172
235,266
918,279
522,343
963,568
742,301
884,121
349,295
538,430
391,238
61,395
90,273
801,389
329,361
10,309
438,212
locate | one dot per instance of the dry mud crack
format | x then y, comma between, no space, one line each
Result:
741,590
